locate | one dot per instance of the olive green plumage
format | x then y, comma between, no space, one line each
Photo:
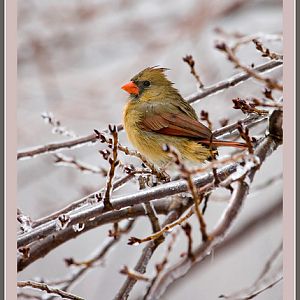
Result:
156,114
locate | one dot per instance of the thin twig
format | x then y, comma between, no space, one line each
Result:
253,294
46,288
269,262
263,276
248,108
187,175
61,159
204,116
56,124
113,161
265,52
152,217
49,148
229,130
232,81
133,274
243,39
257,102
160,175
168,227
244,133
187,228
190,61
251,72
151,211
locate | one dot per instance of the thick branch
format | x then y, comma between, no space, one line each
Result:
43,247
76,204
157,192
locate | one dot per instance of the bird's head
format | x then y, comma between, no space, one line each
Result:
149,84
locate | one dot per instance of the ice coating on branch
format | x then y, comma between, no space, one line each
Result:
25,221
25,224
49,118
242,169
78,227
62,222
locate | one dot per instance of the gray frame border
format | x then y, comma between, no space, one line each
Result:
297,148
2,150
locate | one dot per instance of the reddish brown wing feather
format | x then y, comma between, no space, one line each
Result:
176,124
184,126
218,143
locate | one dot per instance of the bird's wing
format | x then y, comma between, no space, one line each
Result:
174,121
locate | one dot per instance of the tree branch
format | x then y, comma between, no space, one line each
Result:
41,248
225,131
144,259
216,236
48,289
265,148
222,85
251,226
157,192
55,238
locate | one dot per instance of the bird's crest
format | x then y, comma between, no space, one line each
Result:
154,74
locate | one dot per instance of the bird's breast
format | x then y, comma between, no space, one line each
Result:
148,143
131,118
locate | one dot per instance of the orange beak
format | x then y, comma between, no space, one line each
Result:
131,88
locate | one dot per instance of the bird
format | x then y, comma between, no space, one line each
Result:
156,115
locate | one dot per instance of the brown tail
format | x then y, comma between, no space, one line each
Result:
218,143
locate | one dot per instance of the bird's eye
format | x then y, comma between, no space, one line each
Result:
146,83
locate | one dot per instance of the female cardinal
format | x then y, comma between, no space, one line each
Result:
156,115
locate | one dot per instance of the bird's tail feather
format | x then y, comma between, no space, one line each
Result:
219,143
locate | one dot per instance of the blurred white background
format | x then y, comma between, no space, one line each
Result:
73,56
